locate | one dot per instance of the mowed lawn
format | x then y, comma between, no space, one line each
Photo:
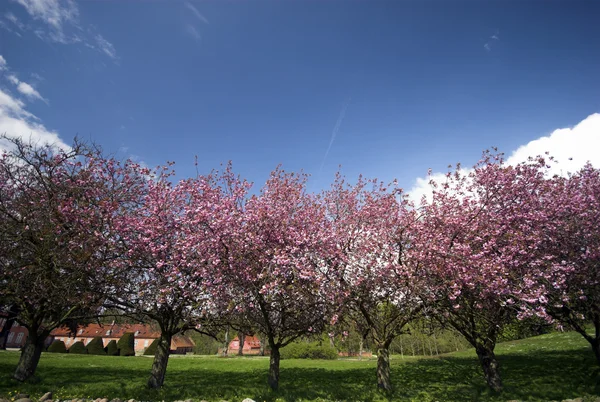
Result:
549,367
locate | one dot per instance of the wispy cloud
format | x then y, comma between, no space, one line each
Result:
193,32
25,88
14,20
57,21
2,63
488,45
56,14
335,130
195,11
106,47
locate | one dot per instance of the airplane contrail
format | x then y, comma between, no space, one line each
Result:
336,128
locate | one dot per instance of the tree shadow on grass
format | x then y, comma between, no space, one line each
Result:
541,376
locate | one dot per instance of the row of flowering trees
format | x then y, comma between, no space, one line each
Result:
80,232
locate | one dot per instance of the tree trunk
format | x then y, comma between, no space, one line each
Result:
161,359
383,368
30,355
226,348
261,351
242,339
596,348
360,350
274,367
401,348
490,366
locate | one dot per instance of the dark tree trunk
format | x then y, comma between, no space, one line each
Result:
30,355
360,350
263,341
161,359
383,368
596,348
226,348
274,367
242,339
490,366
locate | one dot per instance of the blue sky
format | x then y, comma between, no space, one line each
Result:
387,89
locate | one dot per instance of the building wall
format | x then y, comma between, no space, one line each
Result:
16,337
140,344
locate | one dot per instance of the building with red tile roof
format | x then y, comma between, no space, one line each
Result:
144,335
251,346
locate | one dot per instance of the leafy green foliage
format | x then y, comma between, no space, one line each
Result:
205,345
78,348
151,350
57,347
521,329
96,347
312,350
112,349
126,344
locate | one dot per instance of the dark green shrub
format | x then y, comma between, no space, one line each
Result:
126,344
78,348
112,349
313,350
151,350
96,347
57,347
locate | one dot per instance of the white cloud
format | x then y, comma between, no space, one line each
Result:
30,91
60,23
55,13
12,18
491,39
17,122
26,89
106,47
195,11
190,29
572,148
13,79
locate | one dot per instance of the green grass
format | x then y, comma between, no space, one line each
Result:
549,367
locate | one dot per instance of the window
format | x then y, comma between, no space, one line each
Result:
11,336
19,337
108,333
146,343
81,331
135,343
